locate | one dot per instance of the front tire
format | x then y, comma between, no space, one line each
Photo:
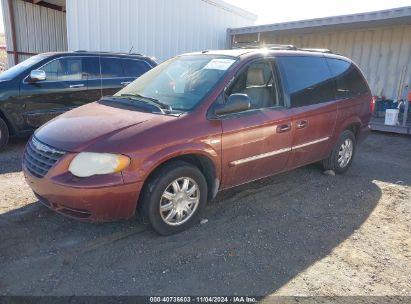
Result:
174,197
342,154
4,134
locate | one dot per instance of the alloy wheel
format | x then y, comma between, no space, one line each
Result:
345,153
179,201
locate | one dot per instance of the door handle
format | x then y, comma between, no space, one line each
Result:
284,128
125,83
302,124
73,86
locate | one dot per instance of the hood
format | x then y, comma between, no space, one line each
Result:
82,127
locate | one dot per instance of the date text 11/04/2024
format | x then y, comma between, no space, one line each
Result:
205,299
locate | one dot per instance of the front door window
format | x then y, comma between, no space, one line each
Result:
64,69
257,82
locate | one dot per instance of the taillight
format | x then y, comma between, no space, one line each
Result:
372,104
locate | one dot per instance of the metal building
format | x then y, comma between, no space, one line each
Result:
159,28
33,27
379,42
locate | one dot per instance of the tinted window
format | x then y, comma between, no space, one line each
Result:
134,68
308,80
111,68
348,79
92,67
256,80
64,69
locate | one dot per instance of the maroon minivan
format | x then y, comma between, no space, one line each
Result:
196,124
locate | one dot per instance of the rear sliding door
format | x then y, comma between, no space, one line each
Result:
311,94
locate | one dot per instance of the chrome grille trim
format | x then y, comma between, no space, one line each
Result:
39,157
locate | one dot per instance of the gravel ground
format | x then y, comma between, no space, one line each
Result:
297,233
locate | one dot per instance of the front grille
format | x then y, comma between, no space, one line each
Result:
39,157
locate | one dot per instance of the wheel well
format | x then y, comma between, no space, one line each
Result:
9,126
355,128
204,164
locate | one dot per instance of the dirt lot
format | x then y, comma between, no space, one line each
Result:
298,233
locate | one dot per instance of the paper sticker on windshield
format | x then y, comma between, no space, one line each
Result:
219,64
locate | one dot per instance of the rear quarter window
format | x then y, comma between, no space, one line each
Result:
349,81
307,79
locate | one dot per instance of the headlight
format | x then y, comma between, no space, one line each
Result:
88,163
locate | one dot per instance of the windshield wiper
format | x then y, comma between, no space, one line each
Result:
158,103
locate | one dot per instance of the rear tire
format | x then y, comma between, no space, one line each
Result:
4,134
342,154
174,197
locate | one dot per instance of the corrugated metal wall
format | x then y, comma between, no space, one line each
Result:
383,53
160,28
38,29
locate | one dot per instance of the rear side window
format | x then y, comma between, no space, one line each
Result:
134,68
92,67
111,68
307,79
348,79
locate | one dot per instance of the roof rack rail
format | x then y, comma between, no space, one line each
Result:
316,50
105,52
256,45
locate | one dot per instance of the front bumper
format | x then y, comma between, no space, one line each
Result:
99,199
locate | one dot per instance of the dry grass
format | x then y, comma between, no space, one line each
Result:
3,53
2,39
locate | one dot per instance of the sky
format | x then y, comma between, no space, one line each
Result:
274,11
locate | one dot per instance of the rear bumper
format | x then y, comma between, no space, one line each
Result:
101,202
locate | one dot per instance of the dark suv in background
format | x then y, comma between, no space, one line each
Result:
46,85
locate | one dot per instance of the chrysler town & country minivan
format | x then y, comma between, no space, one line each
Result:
194,125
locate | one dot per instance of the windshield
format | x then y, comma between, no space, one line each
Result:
182,82
17,69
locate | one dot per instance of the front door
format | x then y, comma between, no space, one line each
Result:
256,143
64,88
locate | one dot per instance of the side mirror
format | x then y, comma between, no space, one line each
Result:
235,103
37,75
